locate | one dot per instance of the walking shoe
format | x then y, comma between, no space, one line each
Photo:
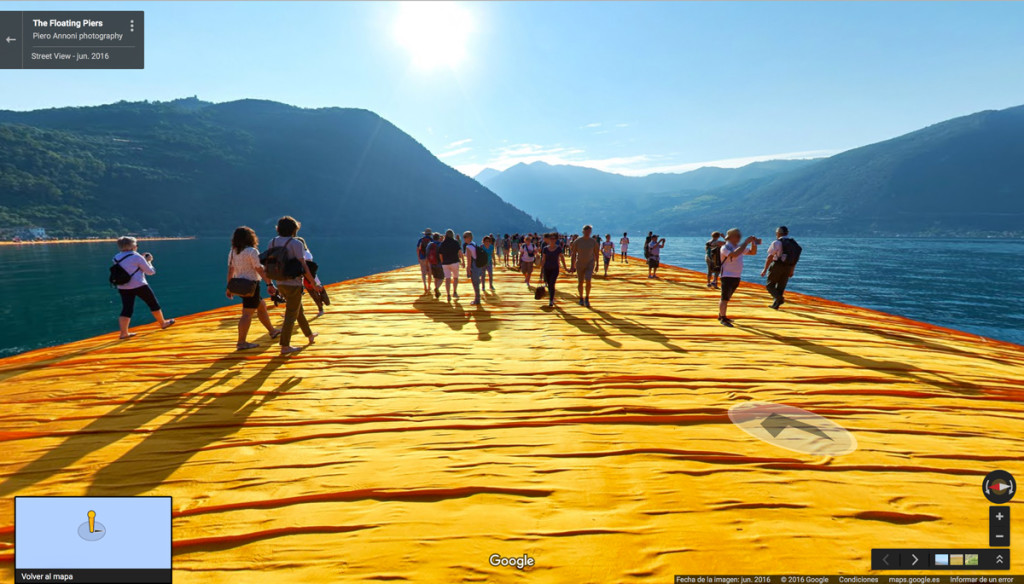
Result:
437,293
581,302
587,303
725,320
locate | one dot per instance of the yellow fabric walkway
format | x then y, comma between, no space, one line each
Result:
416,439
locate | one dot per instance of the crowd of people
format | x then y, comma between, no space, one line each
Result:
287,269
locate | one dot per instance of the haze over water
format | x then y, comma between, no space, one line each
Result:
58,293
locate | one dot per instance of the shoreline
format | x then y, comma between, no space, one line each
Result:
100,240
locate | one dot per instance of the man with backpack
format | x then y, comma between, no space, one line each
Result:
421,253
783,254
476,264
434,261
451,259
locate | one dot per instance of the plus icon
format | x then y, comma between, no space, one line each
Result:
1000,516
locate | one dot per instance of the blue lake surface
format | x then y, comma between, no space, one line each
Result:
58,293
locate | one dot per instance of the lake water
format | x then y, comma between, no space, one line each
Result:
59,293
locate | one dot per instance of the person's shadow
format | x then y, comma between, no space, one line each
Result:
170,446
894,368
456,317
126,419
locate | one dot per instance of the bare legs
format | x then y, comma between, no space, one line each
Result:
246,321
124,321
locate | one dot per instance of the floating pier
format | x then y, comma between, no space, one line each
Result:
416,439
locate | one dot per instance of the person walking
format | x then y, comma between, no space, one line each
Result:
451,261
624,246
608,251
421,254
489,248
244,269
551,256
316,288
713,258
293,272
133,284
434,261
654,255
584,254
783,254
732,268
475,265
527,254
647,244
505,245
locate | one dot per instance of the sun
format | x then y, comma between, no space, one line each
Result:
434,33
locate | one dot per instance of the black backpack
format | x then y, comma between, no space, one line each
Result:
713,255
118,275
481,256
278,265
791,251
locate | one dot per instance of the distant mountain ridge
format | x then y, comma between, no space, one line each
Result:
566,195
960,177
191,167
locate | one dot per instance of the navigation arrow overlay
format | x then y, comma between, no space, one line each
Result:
10,40
776,423
886,559
914,563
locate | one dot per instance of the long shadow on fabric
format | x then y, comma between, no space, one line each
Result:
457,318
638,330
899,338
586,326
124,420
885,367
213,419
440,311
484,321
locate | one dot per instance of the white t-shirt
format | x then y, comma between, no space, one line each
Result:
528,257
137,266
655,249
731,268
608,249
244,264
775,249
624,242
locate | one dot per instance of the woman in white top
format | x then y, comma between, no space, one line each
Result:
527,253
138,266
624,246
244,262
316,290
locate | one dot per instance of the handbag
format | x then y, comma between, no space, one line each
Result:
243,287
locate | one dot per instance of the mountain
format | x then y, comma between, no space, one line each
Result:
191,167
569,196
486,174
959,177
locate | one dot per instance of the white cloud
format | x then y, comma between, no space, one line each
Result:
621,125
455,152
593,125
458,143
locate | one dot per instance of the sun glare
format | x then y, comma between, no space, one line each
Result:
434,33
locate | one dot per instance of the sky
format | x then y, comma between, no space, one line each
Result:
626,87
